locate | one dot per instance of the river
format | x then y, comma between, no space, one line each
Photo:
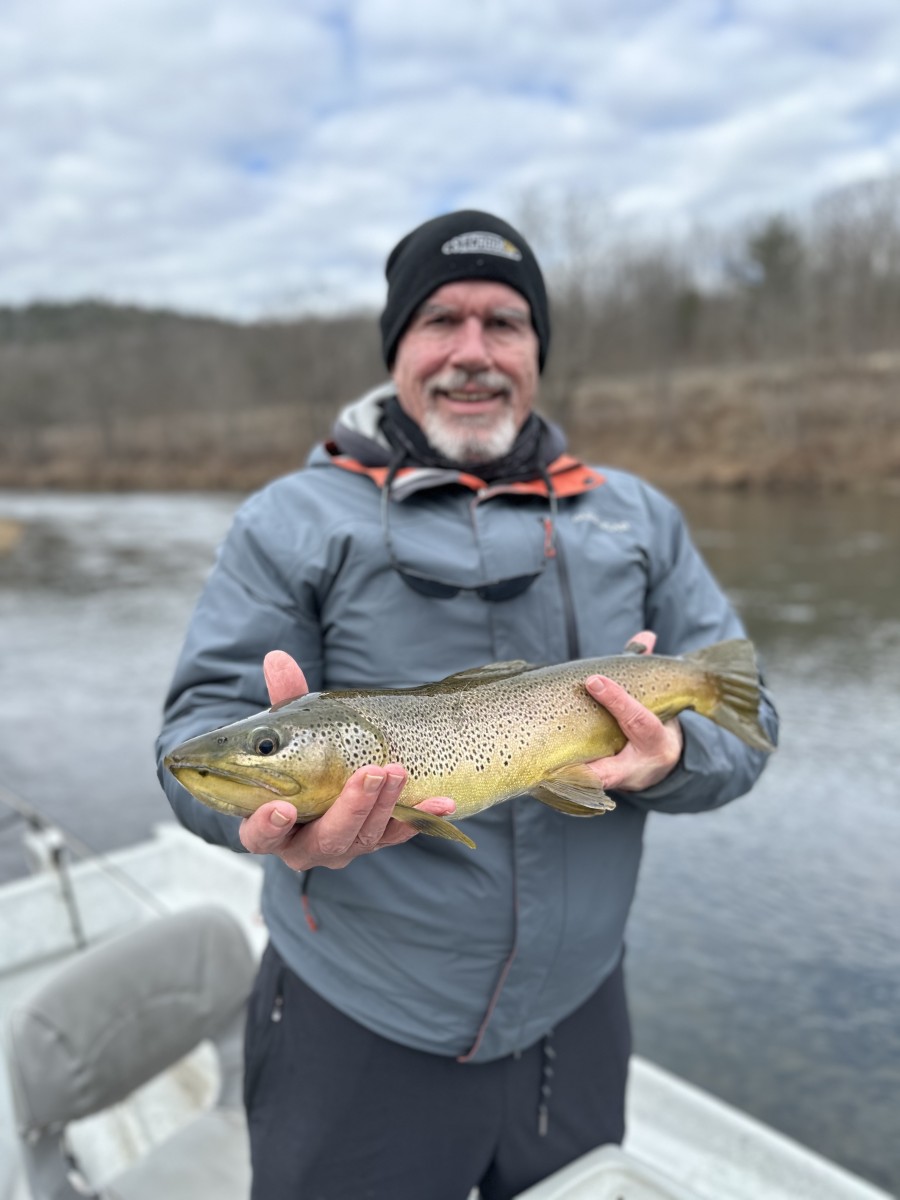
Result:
764,953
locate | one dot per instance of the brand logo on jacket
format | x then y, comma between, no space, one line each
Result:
606,526
478,242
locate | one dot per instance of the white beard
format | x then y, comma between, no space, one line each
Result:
479,438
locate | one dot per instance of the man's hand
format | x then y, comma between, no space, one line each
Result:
654,746
358,822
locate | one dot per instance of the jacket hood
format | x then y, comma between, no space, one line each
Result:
356,431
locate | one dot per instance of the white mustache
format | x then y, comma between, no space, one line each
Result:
455,379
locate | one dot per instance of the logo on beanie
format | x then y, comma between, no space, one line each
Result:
482,243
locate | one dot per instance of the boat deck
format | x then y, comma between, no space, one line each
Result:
682,1143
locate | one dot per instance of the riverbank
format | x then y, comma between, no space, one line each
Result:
816,424
772,426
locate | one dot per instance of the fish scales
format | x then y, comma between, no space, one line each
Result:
481,736
495,741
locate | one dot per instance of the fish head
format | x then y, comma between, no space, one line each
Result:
302,751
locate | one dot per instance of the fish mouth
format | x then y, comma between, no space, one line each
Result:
276,782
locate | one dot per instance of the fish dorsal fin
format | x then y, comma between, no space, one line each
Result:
575,790
485,674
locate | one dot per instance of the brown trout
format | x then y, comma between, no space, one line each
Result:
481,736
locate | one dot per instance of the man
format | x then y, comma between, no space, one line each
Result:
428,1019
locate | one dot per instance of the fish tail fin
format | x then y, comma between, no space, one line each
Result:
434,826
735,701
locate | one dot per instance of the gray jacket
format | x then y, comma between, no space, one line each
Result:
473,954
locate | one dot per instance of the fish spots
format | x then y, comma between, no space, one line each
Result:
486,741
497,736
358,745
334,733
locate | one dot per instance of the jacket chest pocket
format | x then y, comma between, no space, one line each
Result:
610,579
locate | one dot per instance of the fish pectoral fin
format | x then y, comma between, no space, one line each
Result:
577,787
434,826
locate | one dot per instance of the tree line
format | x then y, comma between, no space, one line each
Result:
786,326
777,288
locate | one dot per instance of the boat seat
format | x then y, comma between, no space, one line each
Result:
117,1016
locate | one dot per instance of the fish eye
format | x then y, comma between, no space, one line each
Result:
265,741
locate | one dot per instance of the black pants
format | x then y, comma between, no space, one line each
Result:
338,1113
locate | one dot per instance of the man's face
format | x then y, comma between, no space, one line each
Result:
466,369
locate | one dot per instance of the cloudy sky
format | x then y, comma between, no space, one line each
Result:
261,158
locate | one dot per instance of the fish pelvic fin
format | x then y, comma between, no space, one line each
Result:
574,790
734,668
434,826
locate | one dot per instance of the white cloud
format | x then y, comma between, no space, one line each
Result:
198,154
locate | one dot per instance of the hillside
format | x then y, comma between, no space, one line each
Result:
816,424
93,396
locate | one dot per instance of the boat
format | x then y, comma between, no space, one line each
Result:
76,916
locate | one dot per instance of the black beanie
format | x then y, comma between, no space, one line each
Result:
460,245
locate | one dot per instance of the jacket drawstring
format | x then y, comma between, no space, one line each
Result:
304,901
572,642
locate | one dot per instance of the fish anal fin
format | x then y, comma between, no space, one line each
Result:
667,712
577,787
552,800
434,826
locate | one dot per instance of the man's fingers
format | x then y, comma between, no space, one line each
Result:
284,679
653,747
270,828
438,806
642,643
637,723
358,822
357,819
388,792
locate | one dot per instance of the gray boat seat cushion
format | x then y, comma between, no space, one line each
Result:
115,1017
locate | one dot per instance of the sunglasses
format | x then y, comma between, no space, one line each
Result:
495,590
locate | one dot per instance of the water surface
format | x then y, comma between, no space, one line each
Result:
764,957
